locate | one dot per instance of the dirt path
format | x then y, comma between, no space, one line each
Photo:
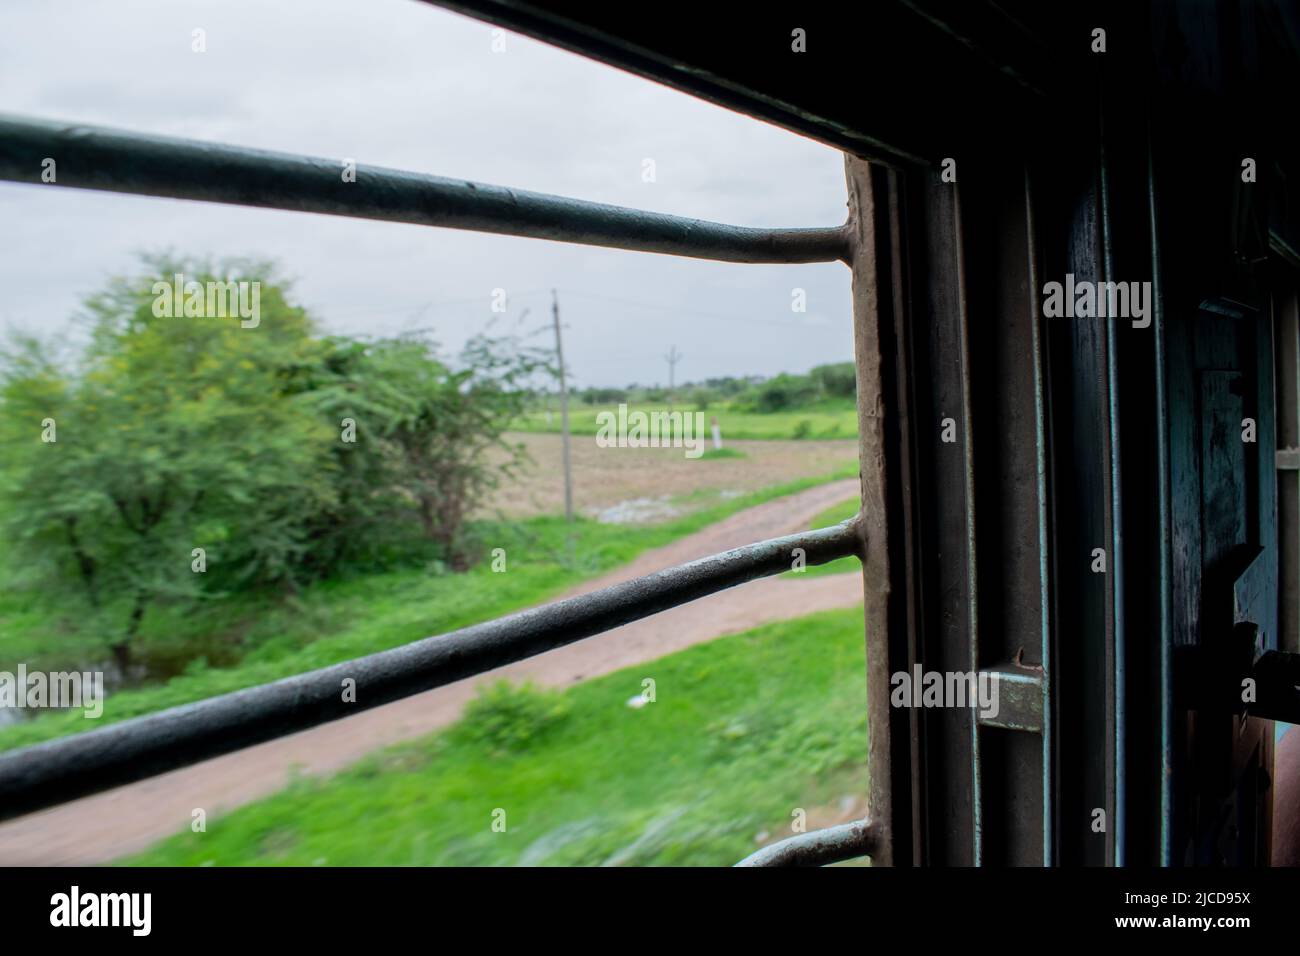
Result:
107,826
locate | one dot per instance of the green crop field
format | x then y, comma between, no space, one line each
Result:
827,420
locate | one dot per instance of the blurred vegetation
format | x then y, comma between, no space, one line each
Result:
784,392
505,718
723,452
743,730
285,456
257,637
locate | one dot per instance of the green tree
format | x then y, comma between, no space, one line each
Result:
171,434
781,393
254,452
431,436
838,379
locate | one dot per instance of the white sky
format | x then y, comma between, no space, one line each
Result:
403,84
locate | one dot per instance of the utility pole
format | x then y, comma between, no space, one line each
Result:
672,358
564,410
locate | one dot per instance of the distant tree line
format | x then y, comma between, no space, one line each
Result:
782,392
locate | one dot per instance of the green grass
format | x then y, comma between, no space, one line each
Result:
723,453
339,620
743,730
827,420
832,515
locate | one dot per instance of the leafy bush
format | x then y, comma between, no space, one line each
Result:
424,433
507,718
781,393
604,396
838,380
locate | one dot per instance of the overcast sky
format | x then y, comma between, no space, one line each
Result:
403,84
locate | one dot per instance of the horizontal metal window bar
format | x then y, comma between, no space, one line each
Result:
847,841
90,157
61,770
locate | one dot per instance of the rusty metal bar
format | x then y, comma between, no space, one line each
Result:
90,157
847,841
878,321
63,770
